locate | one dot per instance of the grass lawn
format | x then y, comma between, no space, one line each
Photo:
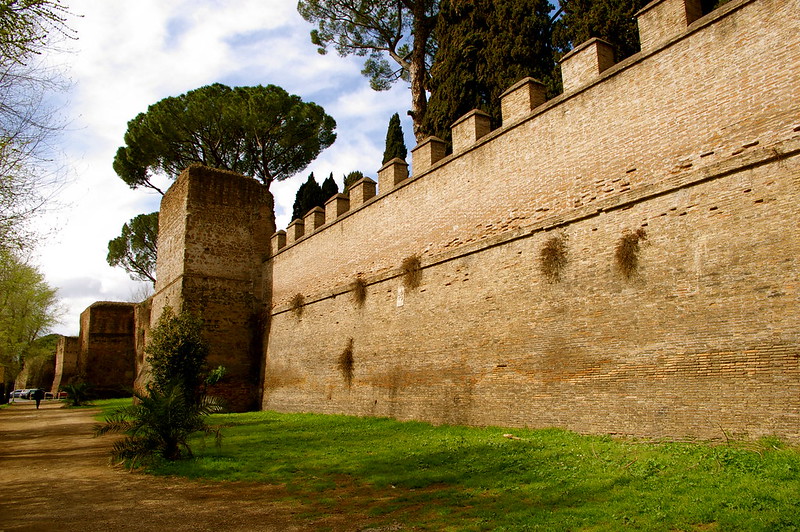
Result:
463,478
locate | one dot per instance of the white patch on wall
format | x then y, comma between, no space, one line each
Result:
401,295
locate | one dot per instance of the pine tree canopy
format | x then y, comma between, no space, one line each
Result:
263,132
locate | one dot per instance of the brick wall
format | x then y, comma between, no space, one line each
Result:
107,348
67,352
216,227
694,141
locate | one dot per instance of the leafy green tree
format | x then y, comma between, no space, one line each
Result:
177,354
485,46
27,122
261,131
329,188
39,365
308,196
175,405
351,178
135,249
399,29
28,308
395,143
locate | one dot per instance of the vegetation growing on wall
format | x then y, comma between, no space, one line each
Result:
346,363
296,305
626,254
412,271
553,258
359,289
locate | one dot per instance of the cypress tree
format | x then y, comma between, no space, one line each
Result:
309,195
329,189
395,145
613,21
485,46
351,178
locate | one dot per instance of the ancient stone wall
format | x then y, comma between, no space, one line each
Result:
691,144
67,352
106,357
214,229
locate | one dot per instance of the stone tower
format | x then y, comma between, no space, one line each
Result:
214,229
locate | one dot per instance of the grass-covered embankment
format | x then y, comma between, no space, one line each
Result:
461,478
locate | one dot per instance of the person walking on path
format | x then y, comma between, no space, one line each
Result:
38,395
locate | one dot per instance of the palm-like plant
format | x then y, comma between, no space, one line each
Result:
78,394
159,425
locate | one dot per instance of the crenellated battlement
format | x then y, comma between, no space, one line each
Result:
673,107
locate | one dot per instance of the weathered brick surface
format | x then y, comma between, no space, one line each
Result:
107,353
695,142
67,352
224,222
722,87
704,339
585,63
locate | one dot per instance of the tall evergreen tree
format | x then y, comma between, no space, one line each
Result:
395,144
309,195
485,46
614,21
351,178
329,189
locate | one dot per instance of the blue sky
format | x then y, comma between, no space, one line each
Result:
129,55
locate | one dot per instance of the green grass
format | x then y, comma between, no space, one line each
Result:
460,478
107,406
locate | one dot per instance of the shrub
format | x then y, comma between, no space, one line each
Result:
412,271
174,405
78,394
159,425
553,258
627,252
346,363
177,354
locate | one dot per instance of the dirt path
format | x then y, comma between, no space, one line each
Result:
55,475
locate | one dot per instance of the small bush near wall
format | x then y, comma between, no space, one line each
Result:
553,258
346,363
359,289
412,271
626,254
296,304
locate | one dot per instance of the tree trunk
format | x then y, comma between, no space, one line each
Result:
418,72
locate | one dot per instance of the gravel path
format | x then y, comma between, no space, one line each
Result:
54,475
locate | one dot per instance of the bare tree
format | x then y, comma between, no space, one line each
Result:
28,124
